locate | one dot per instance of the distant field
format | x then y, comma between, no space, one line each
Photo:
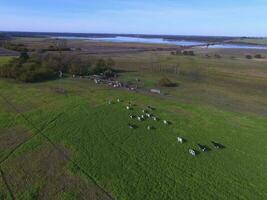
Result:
259,41
4,59
75,145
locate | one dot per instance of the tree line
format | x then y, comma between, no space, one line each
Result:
41,67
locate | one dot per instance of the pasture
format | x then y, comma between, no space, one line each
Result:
77,146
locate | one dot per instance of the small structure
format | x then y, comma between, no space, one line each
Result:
149,128
144,111
131,116
155,119
181,140
128,107
157,91
192,152
118,100
143,116
109,102
139,118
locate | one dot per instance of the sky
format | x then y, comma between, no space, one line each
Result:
169,17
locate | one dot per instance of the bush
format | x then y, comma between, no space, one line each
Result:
165,82
103,67
258,56
249,56
109,73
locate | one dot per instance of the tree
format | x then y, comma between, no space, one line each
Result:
109,73
249,56
24,56
110,63
258,56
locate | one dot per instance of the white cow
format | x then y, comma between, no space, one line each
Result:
192,152
181,140
165,122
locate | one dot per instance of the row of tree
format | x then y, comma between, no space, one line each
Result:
40,67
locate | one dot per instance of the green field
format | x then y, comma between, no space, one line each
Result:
77,146
260,41
4,59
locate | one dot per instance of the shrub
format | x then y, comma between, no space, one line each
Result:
249,56
109,73
165,82
110,63
104,67
258,56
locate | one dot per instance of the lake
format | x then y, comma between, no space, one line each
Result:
124,39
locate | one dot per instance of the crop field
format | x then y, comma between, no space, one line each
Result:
75,145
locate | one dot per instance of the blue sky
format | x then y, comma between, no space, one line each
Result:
184,17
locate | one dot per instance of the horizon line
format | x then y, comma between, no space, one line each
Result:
145,34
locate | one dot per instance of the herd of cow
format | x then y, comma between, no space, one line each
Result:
146,114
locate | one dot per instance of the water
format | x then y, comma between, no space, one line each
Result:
237,46
123,39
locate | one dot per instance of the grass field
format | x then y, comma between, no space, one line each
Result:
260,41
77,146
4,59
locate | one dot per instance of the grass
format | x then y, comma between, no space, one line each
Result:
260,41
223,106
4,59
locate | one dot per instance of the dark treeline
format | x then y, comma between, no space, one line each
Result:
23,48
41,67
